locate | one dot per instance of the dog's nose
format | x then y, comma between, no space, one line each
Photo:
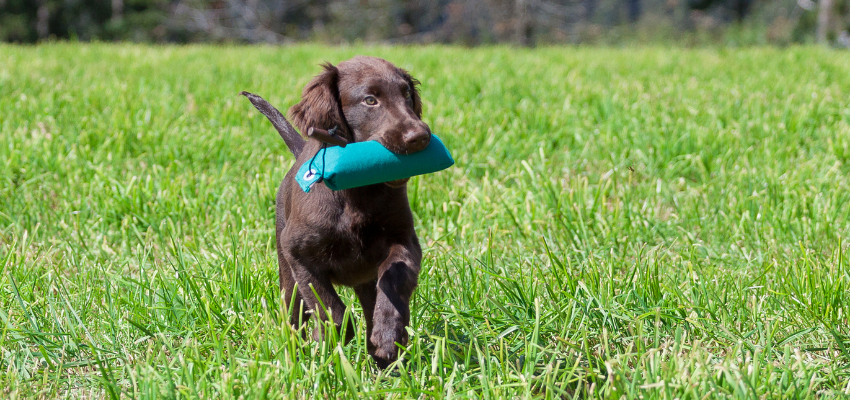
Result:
417,140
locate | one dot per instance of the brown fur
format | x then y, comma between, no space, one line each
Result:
361,237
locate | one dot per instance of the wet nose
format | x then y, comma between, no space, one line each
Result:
417,139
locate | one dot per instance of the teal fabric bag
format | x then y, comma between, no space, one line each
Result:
368,163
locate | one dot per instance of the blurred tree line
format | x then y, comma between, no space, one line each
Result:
469,22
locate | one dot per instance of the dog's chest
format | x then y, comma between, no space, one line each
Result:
348,234
359,242
365,233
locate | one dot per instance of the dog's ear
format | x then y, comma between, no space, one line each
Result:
320,106
414,92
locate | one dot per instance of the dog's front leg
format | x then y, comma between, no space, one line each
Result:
367,293
397,278
312,284
298,314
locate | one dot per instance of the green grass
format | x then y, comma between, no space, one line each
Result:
647,223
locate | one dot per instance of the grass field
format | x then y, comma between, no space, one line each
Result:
648,223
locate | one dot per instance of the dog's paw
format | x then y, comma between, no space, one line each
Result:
384,358
385,345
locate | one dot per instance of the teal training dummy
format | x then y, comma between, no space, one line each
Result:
358,164
368,163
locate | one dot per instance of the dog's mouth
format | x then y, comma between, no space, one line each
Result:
397,183
400,150
402,147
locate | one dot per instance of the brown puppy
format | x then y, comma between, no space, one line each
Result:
361,237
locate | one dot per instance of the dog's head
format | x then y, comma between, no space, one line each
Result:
368,99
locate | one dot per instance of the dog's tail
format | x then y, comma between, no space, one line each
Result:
290,136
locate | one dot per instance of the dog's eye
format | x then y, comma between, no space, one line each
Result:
370,101
407,94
